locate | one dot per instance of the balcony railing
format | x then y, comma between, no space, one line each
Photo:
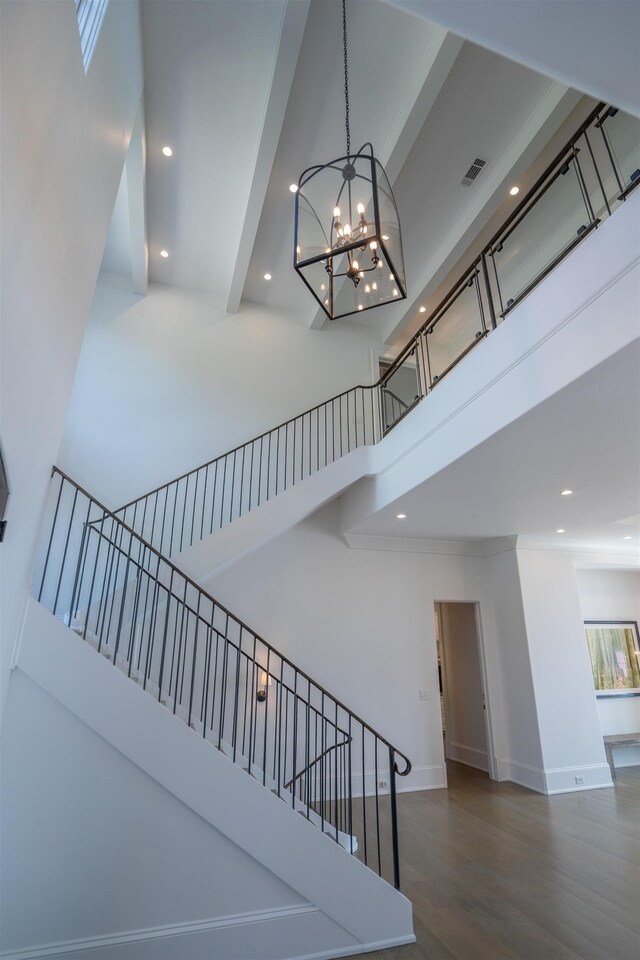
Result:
590,177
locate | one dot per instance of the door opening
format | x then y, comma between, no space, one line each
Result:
464,708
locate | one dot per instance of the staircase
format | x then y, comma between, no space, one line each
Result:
592,176
215,674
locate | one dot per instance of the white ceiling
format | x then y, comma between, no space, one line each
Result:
588,44
248,93
586,438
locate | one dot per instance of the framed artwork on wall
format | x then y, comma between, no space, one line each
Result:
614,648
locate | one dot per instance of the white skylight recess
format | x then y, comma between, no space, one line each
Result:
90,15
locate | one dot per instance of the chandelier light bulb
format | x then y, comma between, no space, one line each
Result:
360,208
374,286
355,265
336,211
423,309
373,245
395,292
360,307
367,288
347,229
384,236
293,187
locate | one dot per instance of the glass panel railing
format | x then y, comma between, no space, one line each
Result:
457,327
622,133
556,219
400,390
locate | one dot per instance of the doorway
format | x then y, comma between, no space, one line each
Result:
464,708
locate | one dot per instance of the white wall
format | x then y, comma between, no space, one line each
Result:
511,681
466,739
361,622
168,382
614,595
93,846
570,734
64,139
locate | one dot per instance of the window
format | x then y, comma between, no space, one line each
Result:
90,15
614,648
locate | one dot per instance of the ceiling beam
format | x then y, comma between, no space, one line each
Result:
552,110
591,45
294,18
428,81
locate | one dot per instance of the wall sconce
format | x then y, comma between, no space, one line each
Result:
265,681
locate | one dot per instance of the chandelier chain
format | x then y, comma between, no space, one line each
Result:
346,75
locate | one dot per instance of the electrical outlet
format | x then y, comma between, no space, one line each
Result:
382,784
579,779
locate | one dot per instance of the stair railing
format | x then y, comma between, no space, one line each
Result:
177,514
136,608
588,179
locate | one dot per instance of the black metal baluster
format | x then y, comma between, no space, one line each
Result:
375,751
268,464
204,500
394,819
53,529
194,656
266,717
195,501
224,483
253,443
364,801
223,688
233,484
173,519
597,171
254,702
213,496
164,639
236,695
64,554
295,735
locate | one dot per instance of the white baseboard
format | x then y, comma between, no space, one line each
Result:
130,937
563,779
523,774
261,933
470,756
552,780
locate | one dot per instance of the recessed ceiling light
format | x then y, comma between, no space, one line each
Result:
514,191
293,187
401,516
168,152
560,530
626,538
267,276
164,253
566,493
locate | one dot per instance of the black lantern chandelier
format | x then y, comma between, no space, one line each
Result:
347,246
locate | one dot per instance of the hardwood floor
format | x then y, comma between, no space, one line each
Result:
496,872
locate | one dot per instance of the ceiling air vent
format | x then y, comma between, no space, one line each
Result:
474,171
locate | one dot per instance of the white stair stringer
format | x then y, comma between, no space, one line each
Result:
370,911
347,842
